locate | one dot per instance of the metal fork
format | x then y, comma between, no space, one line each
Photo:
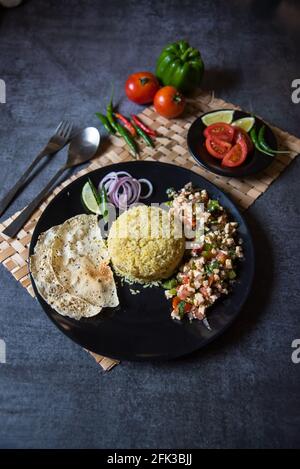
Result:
59,139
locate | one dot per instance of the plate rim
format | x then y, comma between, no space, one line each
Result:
166,357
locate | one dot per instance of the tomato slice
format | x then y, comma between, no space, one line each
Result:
236,156
222,131
217,148
242,134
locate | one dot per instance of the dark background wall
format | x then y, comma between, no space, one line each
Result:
59,60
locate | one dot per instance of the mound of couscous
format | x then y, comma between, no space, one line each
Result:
146,244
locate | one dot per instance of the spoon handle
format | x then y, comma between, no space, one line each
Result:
13,229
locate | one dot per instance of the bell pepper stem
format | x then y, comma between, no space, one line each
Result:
185,54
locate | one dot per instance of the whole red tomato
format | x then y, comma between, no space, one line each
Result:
141,87
168,102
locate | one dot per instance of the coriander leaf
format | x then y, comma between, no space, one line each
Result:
213,205
169,284
209,269
181,308
231,274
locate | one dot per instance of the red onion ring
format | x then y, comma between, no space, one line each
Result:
124,190
108,182
150,186
130,192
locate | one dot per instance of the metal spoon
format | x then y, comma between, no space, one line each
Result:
81,149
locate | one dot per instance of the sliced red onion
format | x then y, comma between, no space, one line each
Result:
108,177
150,188
108,182
123,173
124,190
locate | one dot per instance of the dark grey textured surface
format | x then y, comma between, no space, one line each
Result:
59,60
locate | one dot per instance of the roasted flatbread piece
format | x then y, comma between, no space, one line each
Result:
94,279
80,261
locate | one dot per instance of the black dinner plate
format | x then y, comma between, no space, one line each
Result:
255,162
141,327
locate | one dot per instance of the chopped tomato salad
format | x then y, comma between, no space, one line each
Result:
210,266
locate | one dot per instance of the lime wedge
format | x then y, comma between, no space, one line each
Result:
218,116
89,199
246,123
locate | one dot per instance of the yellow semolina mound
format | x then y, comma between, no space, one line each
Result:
146,244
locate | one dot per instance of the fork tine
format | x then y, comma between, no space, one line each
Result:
63,129
68,131
58,128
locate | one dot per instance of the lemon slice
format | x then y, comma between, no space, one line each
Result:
246,123
218,116
89,199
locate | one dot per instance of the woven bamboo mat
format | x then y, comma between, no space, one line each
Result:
170,148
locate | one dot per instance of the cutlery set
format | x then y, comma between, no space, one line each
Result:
83,145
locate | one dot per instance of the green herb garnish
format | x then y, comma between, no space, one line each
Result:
181,308
209,269
169,284
170,192
231,274
168,203
213,205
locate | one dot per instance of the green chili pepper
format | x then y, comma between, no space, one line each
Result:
143,134
261,140
105,123
262,143
120,129
110,114
103,204
112,121
95,192
128,139
117,127
253,136
254,139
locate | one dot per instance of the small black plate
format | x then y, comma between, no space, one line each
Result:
141,327
254,163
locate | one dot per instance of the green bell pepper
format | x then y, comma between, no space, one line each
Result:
181,66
